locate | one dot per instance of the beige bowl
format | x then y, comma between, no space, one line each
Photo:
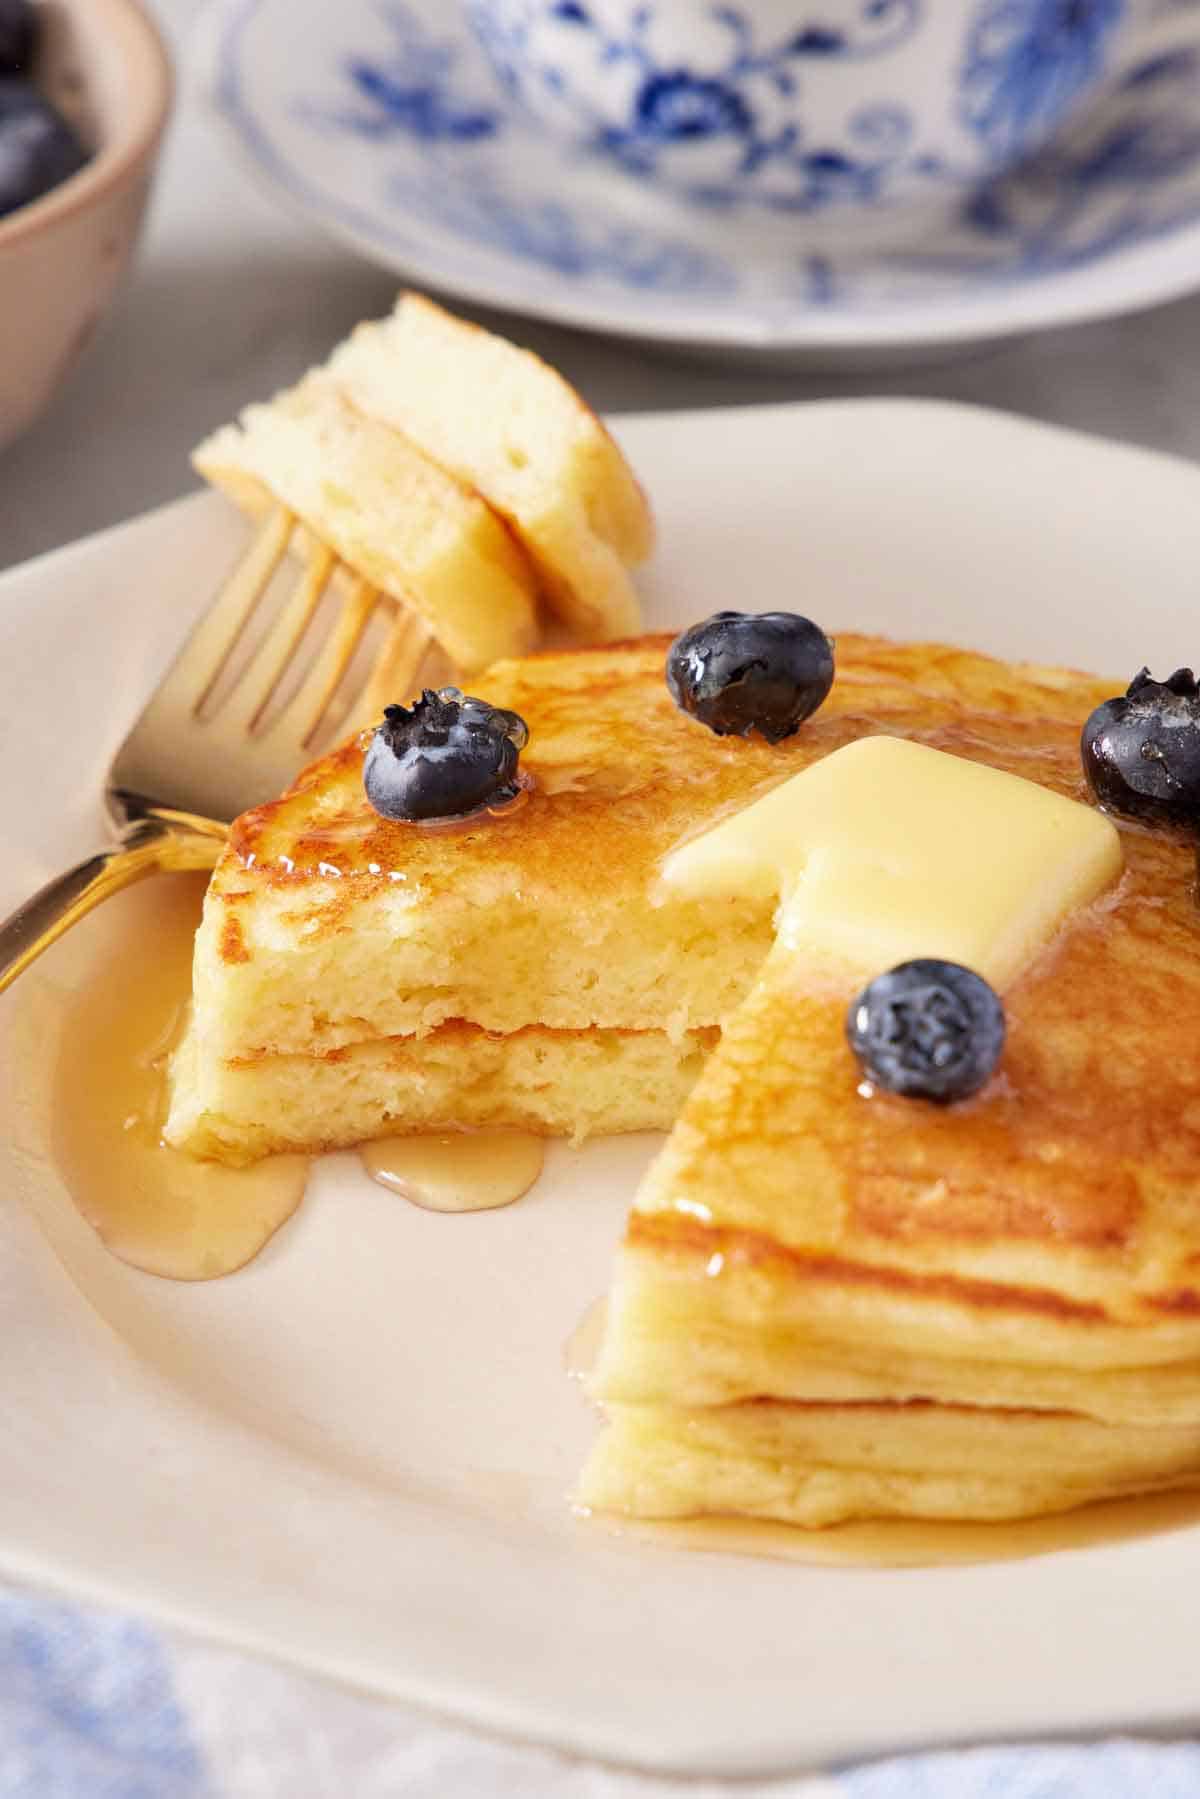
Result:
62,257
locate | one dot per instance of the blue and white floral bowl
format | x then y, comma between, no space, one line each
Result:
805,106
385,123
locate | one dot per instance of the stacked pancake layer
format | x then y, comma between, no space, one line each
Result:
833,1305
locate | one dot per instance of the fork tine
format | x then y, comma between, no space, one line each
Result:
259,680
216,761
209,647
302,716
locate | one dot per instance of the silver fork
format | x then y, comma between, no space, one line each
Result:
195,759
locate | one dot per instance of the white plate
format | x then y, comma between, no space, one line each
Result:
382,121
355,1454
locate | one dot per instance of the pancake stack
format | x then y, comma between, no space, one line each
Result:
832,1304
828,1304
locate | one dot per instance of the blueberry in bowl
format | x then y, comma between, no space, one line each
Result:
446,756
38,147
739,672
927,1030
1141,750
85,90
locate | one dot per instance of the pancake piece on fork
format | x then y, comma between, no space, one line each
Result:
458,474
505,423
387,511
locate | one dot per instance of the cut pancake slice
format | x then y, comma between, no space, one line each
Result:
329,929
336,935
504,422
388,511
1024,1265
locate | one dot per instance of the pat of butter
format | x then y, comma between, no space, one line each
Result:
886,850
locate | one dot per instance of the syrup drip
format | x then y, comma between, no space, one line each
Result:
581,1351
460,1171
152,1206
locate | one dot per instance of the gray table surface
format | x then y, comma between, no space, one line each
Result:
232,298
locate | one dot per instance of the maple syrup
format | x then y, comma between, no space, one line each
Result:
167,1213
151,1205
456,1171
581,1351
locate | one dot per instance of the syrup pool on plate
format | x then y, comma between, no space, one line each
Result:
456,1171
582,1348
151,1205
168,1213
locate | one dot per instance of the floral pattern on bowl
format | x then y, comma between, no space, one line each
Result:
901,97
387,124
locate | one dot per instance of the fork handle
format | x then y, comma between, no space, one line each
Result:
167,841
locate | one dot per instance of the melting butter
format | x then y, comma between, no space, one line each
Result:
887,849
460,1171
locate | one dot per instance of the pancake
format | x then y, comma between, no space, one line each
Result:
801,1250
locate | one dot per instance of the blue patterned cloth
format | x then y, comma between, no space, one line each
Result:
88,1706
96,1705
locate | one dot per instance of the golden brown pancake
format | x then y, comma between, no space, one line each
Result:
805,1247
335,943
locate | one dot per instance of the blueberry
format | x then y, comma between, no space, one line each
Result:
1141,753
18,32
739,672
38,149
443,756
928,1030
